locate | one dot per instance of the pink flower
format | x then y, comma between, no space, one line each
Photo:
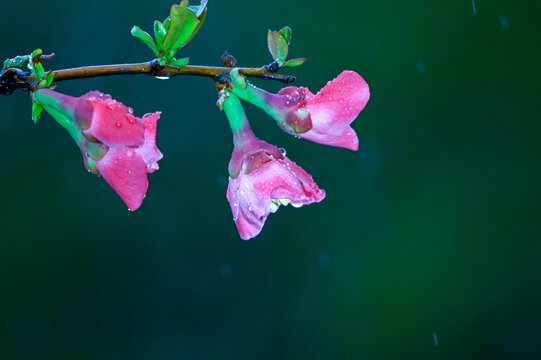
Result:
114,143
324,118
261,180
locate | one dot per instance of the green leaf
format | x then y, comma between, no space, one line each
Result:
166,23
35,54
17,61
145,37
286,33
277,46
295,62
159,34
37,108
201,21
39,72
49,79
180,62
182,24
170,56
162,60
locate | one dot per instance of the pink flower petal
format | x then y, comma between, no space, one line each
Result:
338,103
256,193
125,171
347,139
148,151
113,123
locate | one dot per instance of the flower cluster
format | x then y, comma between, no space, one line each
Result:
122,147
261,177
114,143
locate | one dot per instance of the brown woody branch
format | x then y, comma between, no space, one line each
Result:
14,78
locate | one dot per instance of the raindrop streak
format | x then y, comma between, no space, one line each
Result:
226,271
504,22
474,9
435,338
421,67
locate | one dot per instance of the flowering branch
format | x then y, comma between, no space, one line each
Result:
121,147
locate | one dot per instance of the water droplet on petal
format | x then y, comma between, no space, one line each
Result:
118,125
131,119
283,151
130,153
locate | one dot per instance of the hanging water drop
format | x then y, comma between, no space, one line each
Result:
163,77
283,151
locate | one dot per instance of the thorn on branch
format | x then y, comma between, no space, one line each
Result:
229,60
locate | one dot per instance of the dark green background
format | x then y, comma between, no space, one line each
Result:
432,227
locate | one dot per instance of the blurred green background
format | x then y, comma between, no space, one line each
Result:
430,231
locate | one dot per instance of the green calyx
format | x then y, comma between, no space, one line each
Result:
59,108
249,93
234,111
175,32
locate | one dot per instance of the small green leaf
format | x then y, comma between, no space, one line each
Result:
17,61
37,108
145,37
277,46
36,54
286,33
39,72
180,62
170,56
166,23
295,62
159,34
49,79
162,60
182,25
